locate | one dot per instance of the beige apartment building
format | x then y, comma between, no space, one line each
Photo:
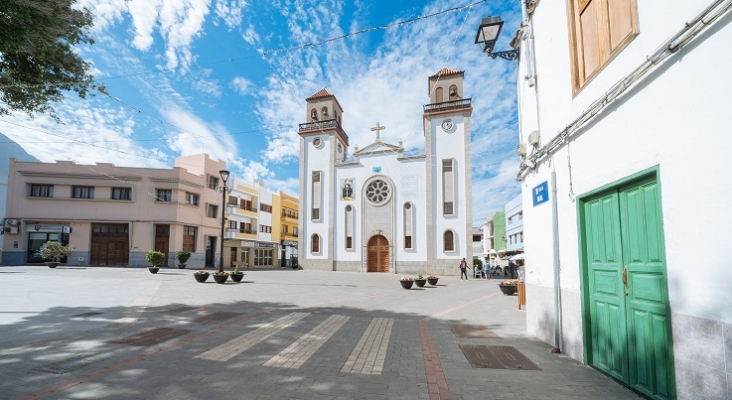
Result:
261,227
112,215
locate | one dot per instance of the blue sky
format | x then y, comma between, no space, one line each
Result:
192,76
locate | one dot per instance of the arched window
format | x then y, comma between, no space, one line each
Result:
324,112
448,243
314,114
408,225
349,227
438,95
315,244
453,92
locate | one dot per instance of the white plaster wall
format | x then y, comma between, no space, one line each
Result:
449,145
265,218
318,159
409,181
677,118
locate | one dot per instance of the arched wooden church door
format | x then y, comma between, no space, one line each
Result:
378,254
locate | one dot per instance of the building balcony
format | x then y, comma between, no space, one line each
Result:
447,106
321,125
289,218
289,235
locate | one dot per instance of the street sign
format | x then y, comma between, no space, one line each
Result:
540,193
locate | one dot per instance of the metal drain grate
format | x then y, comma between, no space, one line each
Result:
217,317
497,357
151,337
69,364
472,331
88,314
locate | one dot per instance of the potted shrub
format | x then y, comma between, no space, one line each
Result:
293,262
54,251
237,275
154,258
432,280
201,275
420,281
182,257
220,277
406,282
508,287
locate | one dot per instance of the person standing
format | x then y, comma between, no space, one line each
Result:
512,269
485,270
463,269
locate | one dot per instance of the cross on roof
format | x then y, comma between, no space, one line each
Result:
378,128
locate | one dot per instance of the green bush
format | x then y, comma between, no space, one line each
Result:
53,250
477,262
154,258
182,256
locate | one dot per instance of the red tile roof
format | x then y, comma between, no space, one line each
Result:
322,93
446,71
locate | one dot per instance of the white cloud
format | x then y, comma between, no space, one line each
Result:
390,86
241,85
250,35
230,12
104,12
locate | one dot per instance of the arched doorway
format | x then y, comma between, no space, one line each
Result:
378,254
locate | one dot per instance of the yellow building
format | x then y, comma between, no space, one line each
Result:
261,227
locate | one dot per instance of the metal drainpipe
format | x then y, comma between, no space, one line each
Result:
557,292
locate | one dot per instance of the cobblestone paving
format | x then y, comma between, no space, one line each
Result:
287,335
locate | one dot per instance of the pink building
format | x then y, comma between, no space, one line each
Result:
113,215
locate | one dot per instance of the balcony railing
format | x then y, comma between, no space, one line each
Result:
248,231
328,123
447,105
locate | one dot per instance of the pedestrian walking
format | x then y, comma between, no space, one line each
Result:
463,269
485,270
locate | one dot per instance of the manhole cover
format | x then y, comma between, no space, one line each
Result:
151,337
88,314
69,364
472,331
217,317
497,357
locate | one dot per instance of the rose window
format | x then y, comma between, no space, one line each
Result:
378,192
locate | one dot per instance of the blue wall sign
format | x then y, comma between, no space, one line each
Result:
540,193
376,169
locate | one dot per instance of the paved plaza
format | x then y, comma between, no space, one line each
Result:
123,333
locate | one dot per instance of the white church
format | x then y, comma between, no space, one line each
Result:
381,210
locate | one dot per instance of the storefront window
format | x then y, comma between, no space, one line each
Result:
262,257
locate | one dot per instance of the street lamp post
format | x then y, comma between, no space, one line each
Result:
488,32
224,176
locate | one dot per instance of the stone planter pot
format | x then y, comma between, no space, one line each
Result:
200,278
220,278
52,264
420,282
237,277
432,282
153,270
181,266
508,290
407,284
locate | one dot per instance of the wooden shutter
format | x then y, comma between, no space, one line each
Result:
317,195
448,187
601,28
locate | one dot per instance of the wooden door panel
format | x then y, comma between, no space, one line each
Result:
607,310
649,328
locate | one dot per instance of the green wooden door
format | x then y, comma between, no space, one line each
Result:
627,291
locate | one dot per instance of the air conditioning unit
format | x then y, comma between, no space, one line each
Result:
13,230
521,149
534,138
12,222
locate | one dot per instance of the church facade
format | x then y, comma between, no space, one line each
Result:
381,210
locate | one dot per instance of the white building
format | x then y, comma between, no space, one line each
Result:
624,115
514,225
382,211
